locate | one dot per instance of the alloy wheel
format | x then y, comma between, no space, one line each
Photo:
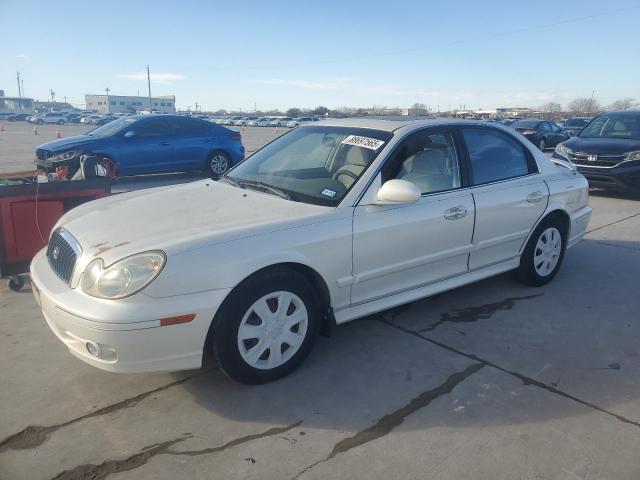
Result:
219,164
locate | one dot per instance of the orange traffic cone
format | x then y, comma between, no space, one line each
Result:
1,127
58,133
35,130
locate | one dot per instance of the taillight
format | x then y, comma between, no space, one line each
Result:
528,132
236,137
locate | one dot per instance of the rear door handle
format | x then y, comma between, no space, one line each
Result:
164,143
455,213
535,197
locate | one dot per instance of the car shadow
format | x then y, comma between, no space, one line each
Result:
573,342
615,194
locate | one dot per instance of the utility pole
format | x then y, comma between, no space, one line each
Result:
591,101
196,107
19,87
22,85
53,95
255,107
149,85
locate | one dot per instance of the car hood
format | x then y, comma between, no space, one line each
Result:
602,145
67,143
181,218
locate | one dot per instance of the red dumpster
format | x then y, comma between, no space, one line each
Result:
29,211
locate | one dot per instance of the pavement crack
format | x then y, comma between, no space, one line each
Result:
612,223
99,472
238,441
392,420
473,314
108,467
35,435
527,381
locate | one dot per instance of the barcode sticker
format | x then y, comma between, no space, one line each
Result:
364,142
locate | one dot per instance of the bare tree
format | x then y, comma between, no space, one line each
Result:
626,103
550,108
584,105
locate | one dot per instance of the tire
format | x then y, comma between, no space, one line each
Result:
542,144
40,122
249,361
16,283
537,266
60,122
218,163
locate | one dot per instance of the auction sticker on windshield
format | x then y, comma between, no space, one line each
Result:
365,142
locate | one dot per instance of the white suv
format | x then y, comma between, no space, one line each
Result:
50,117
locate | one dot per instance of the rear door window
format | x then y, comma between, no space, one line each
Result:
495,156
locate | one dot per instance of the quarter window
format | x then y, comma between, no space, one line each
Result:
494,155
429,160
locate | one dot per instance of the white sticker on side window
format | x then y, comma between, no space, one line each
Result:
364,142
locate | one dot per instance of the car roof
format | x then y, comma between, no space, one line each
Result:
393,125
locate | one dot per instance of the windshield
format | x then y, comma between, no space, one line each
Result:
312,164
613,126
111,128
576,122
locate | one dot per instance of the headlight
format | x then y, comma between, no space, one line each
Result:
633,156
65,155
564,151
123,278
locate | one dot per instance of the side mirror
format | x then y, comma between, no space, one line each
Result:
397,192
129,134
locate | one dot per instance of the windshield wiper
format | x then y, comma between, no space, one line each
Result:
265,187
230,181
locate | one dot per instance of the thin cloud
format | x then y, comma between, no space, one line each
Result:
164,78
22,55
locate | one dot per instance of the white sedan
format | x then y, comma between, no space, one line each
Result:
326,224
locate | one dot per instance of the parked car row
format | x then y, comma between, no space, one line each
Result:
255,121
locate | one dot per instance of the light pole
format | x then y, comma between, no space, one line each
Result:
53,95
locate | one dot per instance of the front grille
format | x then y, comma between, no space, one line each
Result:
62,254
602,160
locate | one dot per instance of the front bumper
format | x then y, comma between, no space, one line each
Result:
126,332
625,176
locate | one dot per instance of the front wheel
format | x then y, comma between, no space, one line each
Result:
266,327
218,163
543,255
60,122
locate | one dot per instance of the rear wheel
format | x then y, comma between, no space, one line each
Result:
542,144
266,327
60,122
218,163
543,255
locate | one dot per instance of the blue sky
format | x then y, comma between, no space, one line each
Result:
280,54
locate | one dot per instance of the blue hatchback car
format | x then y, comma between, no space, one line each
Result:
146,144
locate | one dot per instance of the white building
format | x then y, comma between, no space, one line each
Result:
129,104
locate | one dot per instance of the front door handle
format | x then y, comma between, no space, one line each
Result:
455,213
535,197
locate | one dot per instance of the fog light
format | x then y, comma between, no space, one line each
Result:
93,349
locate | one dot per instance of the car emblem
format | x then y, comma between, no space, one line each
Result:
56,253
592,158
